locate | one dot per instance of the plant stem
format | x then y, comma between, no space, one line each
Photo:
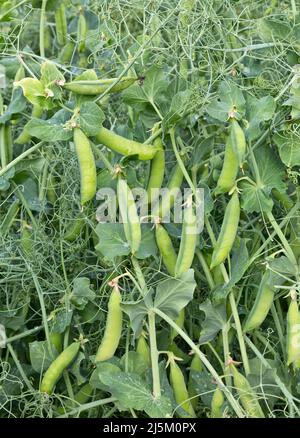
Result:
154,355
20,158
24,334
19,366
42,28
236,407
87,406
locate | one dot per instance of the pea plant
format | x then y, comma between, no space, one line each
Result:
145,314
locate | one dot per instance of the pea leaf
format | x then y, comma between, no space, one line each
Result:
152,89
256,198
258,111
33,90
90,118
215,318
112,240
51,130
134,393
294,99
239,264
61,320
148,247
173,294
81,292
40,356
179,106
16,105
103,367
288,144
50,79
134,363
137,311
229,100
203,385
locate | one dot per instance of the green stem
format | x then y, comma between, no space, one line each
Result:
19,366
20,158
205,362
154,355
278,328
8,11
24,334
280,384
206,270
42,305
42,28
88,406
239,333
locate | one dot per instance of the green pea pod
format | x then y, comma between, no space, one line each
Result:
113,328
51,192
238,141
293,331
262,304
142,348
87,166
94,87
81,32
9,217
283,198
247,396
180,322
3,148
157,172
56,340
25,137
229,170
61,25
67,52
228,231
196,365
74,230
180,391
188,241
130,218
124,146
58,366
8,142
20,74
26,240
166,248
168,199
217,404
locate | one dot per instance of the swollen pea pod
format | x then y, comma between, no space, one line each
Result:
8,142
124,146
25,137
168,199
234,154
157,172
293,331
81,31
196,366
3,148
74,230
98,86
87,166
130,218
113,328
262,304
217,404
166,248
58,366
142,348
228,231
61,25
179,388
188,241
247,396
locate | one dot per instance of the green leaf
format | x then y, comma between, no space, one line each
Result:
16,105
75,369
51,130
179,106
33,90
148,246
258,111
90,118
103,368
215,318
281,265
137,312
134,363
134,393
153,87
288,143
173,294
229,100
112,240
34,165
239,264
40,356
81,292
256,198
203,385
50,79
